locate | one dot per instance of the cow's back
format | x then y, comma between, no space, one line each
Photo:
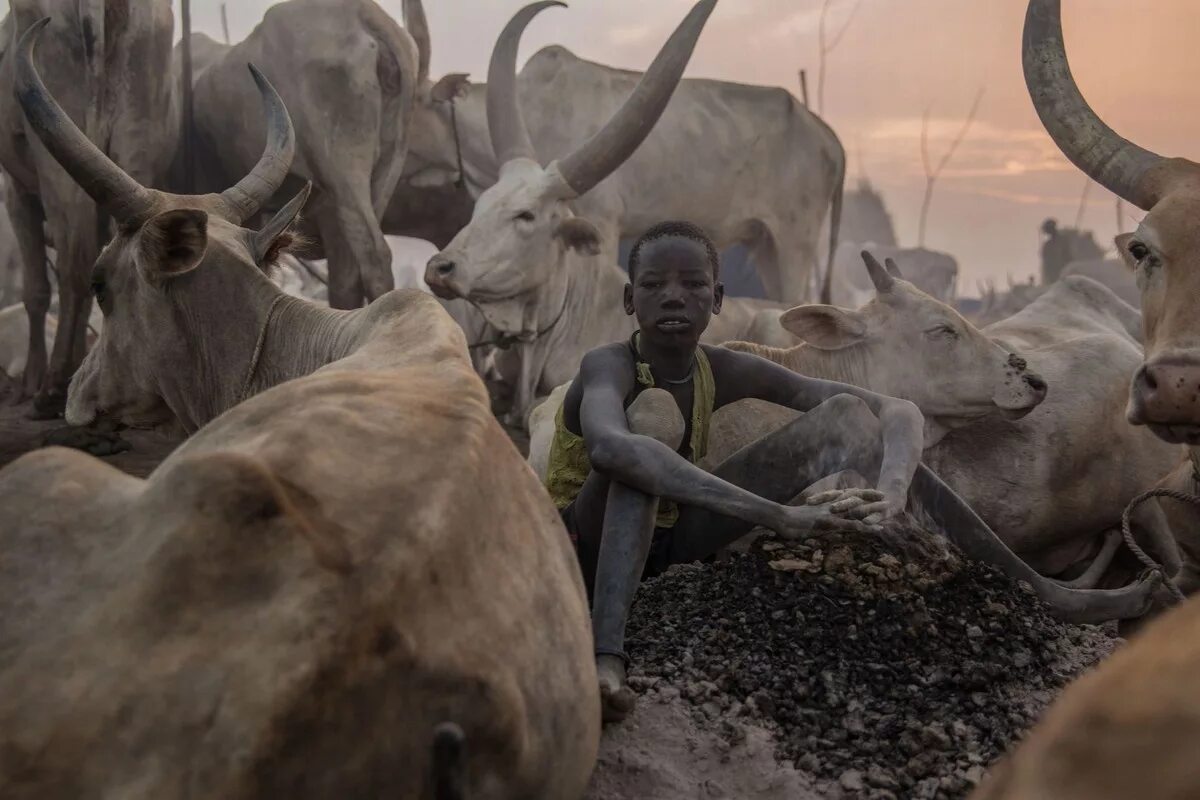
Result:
713,122
312,583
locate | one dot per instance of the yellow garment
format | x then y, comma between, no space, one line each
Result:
569,465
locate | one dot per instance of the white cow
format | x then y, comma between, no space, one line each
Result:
772,170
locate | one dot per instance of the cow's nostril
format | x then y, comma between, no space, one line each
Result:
1036,383
444,268
1149,379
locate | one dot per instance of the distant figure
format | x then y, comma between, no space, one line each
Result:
1056,252
1064,246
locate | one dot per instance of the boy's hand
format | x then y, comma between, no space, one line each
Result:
798,522
869,505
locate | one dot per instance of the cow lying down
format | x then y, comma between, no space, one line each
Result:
346,586
1022,417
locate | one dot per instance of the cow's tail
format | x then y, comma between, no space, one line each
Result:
396,68
449,762
835,224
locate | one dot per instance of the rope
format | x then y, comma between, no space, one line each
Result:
507,340
258,348
1135,548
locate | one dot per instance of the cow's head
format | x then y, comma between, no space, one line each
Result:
522,227
906,344
178,282
1164,251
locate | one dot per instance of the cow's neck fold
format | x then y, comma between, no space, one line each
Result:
301,337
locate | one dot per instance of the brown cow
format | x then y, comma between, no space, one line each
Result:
346,586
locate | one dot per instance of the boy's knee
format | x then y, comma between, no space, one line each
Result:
654,413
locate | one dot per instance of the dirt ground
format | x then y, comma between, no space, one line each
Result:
19,435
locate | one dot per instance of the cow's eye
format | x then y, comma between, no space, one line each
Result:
525,216
99,290
942,331
1138,250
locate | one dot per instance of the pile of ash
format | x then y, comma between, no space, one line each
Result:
881,676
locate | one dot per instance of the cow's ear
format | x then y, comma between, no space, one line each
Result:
276,235
1122,242
824,327
450,87
172,243
579,235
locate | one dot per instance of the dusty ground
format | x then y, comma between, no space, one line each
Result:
851,670
19,435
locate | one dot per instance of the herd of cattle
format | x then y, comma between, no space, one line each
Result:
346,581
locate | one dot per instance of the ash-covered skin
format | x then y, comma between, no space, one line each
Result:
884,675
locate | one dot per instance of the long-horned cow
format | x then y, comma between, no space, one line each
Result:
773,171
296,602
1163,253
534,269
110,65
349,74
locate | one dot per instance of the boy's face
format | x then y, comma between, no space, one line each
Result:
673,293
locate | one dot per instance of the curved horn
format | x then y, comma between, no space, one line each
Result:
616,141
1118,165
883,281
246,198
510,137
107,184
893,268
418,28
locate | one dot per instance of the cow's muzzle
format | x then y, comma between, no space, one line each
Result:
1165,395
440,277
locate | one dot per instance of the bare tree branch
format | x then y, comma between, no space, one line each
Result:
1083,198
932,175
826,46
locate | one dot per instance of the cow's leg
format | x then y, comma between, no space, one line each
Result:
25,212
613,560
345,284
366,249
75,259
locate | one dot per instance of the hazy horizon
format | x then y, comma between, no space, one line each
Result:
897,59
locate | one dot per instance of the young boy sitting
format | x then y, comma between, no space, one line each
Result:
635,422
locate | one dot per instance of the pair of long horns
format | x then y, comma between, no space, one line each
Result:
883,277
597,158
1115,163
110,186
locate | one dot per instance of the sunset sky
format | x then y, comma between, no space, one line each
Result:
1138,64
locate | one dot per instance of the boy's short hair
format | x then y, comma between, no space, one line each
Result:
674,229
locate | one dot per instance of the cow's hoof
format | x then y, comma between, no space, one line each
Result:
49,405
96,442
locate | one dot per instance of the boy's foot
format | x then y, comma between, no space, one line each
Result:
616,698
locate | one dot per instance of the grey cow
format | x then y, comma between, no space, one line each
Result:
348,72
108,63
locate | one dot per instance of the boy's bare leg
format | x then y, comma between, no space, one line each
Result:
840,434
627,533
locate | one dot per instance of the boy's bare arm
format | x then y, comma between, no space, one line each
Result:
742,376
652,467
